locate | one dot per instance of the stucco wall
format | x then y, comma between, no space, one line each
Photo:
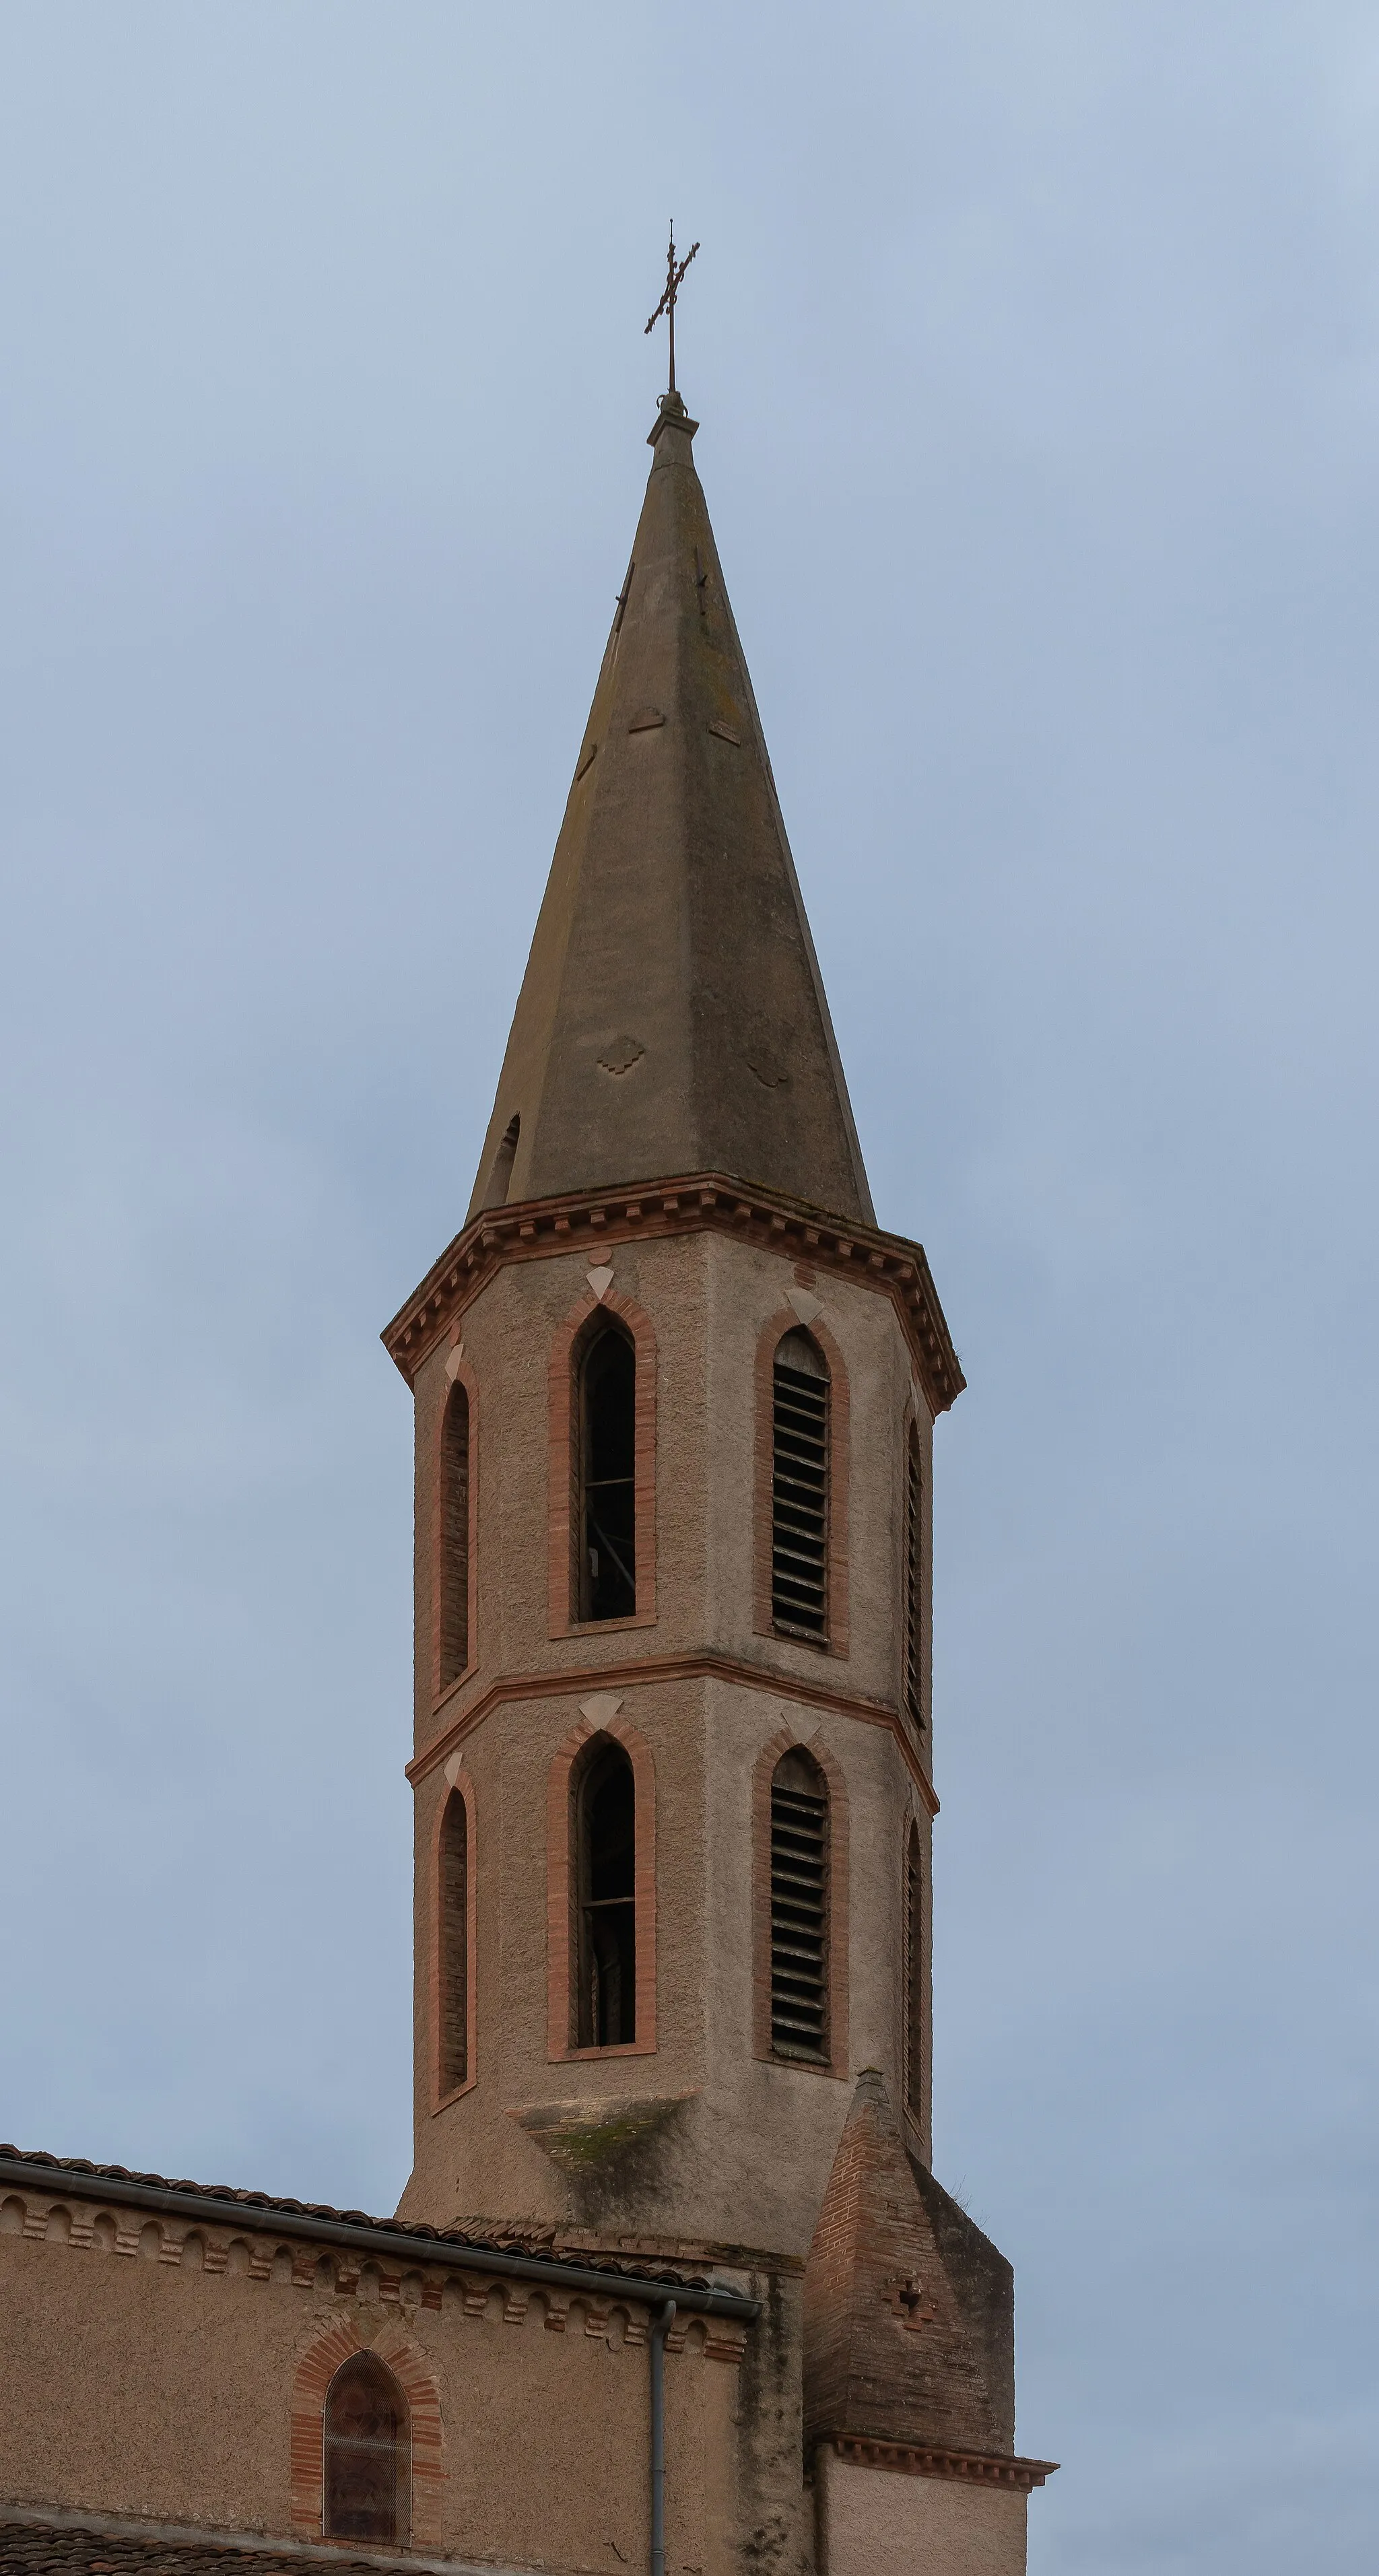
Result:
882,2522
151,2370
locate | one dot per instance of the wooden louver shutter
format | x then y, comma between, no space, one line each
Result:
799,1488
799,1910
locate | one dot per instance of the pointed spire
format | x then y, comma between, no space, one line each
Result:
672,1018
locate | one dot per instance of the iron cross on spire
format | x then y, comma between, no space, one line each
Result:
674,274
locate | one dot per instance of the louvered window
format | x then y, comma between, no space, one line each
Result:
914,1976
367,2454
454,1945
914,1564
454,1538
799,1489
799,1910
605,1833
606,1518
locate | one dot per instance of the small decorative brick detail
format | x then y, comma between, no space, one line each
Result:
786,1740
785,1320
458,1785
563,1467
561,1892
335,2344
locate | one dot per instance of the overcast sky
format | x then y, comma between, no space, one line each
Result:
1037,356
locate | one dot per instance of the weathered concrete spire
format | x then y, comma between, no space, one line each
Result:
672,1018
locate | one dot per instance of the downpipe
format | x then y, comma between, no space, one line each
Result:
661,2324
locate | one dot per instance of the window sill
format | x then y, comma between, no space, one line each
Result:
616,2048
605,1627
453,1689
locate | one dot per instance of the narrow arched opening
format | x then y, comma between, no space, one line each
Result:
799,1909
606,1416
499,1180
914,1976
367,2454
604,1832
453,1982
914,1565
799,1488
454,1536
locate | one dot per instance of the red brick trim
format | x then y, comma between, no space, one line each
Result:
917,1422
563,1465
917,2119
677,1668
785,1740
461,1375
459,1786
337,2343
978,2468
536,1228
560,1893
785,1320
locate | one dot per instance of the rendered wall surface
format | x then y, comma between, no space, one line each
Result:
881,2522
136,2380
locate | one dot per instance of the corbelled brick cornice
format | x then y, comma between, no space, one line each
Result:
535,1228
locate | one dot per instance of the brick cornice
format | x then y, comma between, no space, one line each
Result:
673,1668
535,1228
978,2468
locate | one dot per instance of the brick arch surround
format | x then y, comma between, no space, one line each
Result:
458,1784
786,1740
336,2343
560,1890
785,1320
563,1537
459,1374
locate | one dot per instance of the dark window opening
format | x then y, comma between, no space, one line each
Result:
914,1561
454,1538
368,2462
799,1489
454,1945
914,1976
607,1573
500,1174
799,1909
606,1860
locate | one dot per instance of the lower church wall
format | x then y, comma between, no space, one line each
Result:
177,2376
872,2519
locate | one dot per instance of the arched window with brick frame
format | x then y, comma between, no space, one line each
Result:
603,1833
605,1472
454,1906
914,1975
800,1909
453,1569
800,1487
914,1579
367,2484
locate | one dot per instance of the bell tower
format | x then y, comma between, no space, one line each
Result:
675,1394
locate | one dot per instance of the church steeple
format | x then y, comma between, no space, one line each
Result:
672,1018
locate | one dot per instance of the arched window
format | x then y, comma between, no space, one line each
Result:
454,1537
605,1874
606,1575
799,1909
368,2454
500,1169
914,1976
799,1488
914,1565
453,1997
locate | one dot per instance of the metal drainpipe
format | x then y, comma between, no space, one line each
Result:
661,2324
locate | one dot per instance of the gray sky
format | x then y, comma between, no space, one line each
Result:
1035,350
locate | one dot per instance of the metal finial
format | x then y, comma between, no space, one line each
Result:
674,274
